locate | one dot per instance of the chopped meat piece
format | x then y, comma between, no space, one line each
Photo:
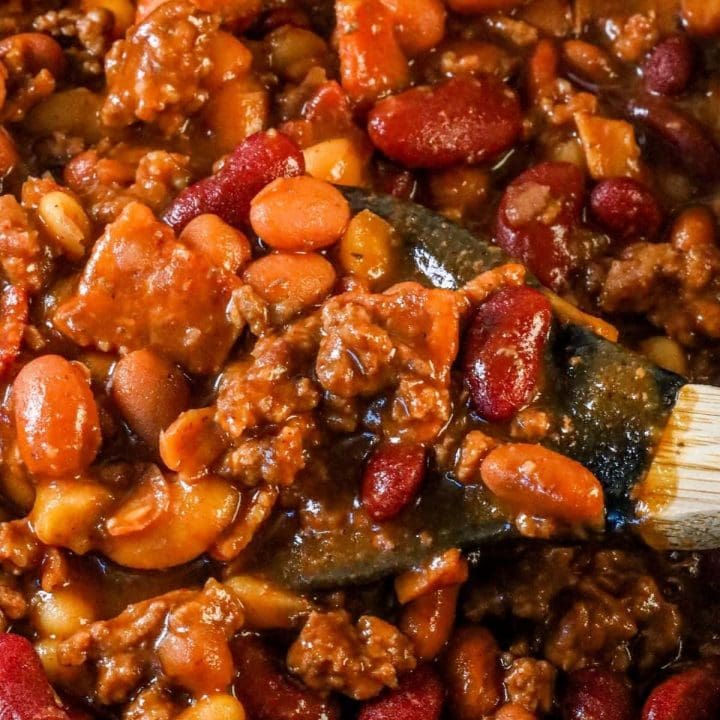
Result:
405,338
529,682
357,660
22,256
155,74
134,293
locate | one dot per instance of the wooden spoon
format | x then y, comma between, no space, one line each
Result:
651,438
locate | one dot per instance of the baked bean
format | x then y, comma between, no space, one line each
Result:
196,656
294,50
540,482
66,222
62,612
419,24
192,442
338,161
268,606
150,392
291,283
214,707
56,417
665,352
463,120
367,248
299,213
67,513
473,673
227,247
229,59
195,516
588,60
428,621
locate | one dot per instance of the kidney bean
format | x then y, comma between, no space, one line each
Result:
25,693
299,213
392,477
690,141
626,208
419,696
257,161
540,482
535,218
56,417
669,67
462,120
150,392
267,694
690,695
597,694
473,674
503,351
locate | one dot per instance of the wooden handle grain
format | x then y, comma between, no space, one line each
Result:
678,503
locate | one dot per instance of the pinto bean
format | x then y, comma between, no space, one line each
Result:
428,621
473,674
227,247
291,283
540,482
150,392
299,213
56,417
462,120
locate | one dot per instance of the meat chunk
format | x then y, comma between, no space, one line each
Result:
404,339
125,649
23,258
155,74
142,288
358,660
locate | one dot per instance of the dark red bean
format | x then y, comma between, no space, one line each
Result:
597,694
626,208
669,66
690,695
419,696
536,216
503,351
25,693
267,693
392,478
253,164
690,141
463,120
